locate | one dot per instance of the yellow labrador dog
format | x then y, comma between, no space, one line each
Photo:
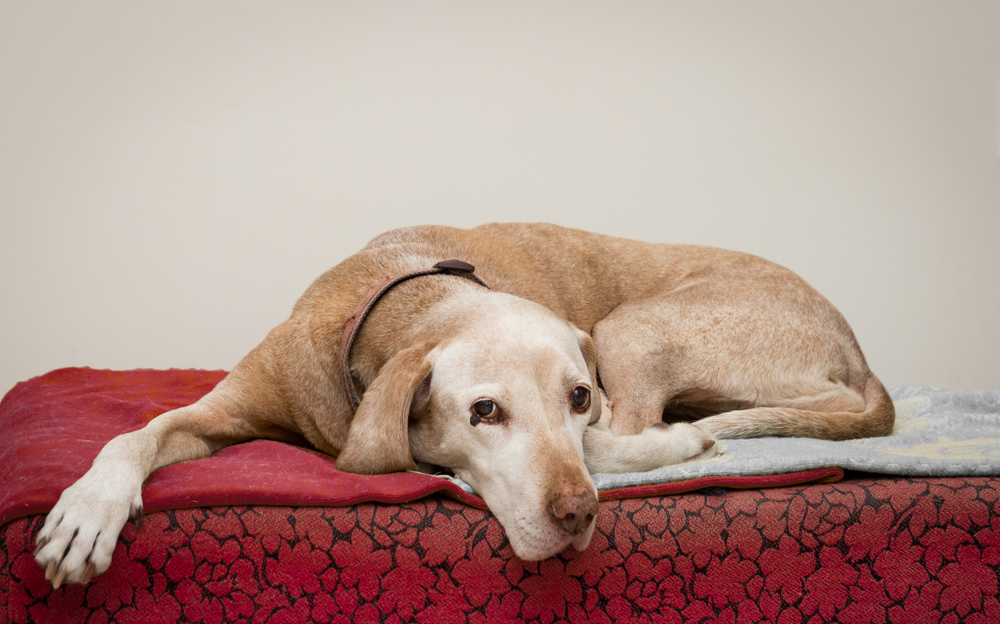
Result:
484,352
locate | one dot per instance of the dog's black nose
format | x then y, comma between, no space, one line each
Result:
573,509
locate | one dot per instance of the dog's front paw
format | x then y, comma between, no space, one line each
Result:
710,446
688,442
656,446
80,533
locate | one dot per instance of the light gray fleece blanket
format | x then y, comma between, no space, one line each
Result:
938,433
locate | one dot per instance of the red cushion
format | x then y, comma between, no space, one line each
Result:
860,551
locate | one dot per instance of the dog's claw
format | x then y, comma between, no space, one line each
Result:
40,544
50,570
88,573
135,514
59,579
707,444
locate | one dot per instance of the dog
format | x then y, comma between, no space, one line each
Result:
520,357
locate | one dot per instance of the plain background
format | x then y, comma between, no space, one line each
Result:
174,174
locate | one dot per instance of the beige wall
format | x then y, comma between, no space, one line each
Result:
174,174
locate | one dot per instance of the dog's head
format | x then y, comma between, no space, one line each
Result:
503,403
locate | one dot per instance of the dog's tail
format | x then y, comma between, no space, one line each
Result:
877,419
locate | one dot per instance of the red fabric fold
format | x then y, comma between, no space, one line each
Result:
53,426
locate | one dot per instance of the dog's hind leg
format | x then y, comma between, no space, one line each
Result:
637,364
779,363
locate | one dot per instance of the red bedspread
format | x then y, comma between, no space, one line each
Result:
53,426
864,551
267,532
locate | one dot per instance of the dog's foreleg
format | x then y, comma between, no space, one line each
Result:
80,533
654,447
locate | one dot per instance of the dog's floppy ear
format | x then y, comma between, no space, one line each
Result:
377,442
590,356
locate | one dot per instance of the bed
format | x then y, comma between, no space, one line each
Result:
898,529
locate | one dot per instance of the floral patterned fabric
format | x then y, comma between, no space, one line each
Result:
859,551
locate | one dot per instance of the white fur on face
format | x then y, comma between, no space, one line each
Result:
527,361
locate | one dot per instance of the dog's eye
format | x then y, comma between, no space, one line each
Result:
580,398
482,409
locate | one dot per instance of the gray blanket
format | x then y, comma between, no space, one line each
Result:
937,433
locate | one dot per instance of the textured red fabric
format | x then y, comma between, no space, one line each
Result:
882,550
54,425
861,551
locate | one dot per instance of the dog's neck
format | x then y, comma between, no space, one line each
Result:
428,309
354,322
